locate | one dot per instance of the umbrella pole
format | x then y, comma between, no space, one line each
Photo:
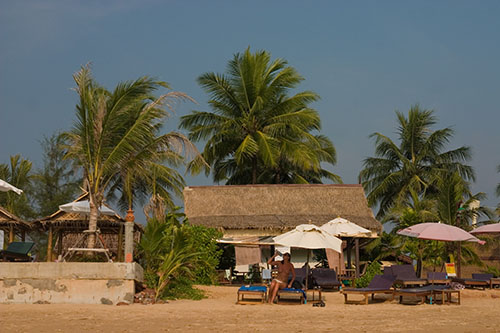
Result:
307,268
459,260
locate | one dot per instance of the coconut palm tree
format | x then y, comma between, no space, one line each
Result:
396,169
456,206
255,126
117,132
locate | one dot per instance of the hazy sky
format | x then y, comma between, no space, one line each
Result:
365,59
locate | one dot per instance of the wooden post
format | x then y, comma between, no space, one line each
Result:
23,235
348,252
49,245
119,256
11,233
356,242
129,236
60,242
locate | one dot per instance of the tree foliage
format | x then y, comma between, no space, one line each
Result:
19,174
257,132
414,164
116,138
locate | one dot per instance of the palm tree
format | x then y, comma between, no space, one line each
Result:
455,206
17,173
395,170
117,132
255,127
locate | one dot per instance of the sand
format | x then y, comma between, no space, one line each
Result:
479,312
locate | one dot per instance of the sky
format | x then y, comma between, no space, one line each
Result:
366,59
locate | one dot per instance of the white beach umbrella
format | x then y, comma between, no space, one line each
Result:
309,236
5,187
83,207
341,227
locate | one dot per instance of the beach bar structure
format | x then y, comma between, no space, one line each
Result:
242,212
12,226
65,228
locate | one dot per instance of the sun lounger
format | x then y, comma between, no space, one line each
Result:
300,276
380,284
405,275
437,278
325,278
291,294
258,294
430,290
477,280
17,251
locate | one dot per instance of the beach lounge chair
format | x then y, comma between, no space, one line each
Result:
477,280
430,290
437,278
286,295
258,295
300,277
17,251
405,275
380,284
325,278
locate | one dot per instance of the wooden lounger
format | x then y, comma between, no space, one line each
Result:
380,284
415,292
258,295
296,294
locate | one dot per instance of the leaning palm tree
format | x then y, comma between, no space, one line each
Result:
396,169
117,132
254,122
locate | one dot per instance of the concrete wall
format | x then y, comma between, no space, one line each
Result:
82,283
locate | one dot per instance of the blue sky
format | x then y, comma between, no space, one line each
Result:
365,59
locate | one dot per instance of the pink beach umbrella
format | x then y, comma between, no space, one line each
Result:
440,232
487,229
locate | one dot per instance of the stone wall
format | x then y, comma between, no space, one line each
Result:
71,282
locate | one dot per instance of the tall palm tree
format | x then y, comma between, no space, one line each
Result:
414,163
18,173
117,132
255,126
455,206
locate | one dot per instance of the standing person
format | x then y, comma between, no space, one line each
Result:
285,267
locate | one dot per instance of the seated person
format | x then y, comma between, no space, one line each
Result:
285,267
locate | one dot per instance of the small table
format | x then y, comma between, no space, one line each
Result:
446,295
313,299
494,282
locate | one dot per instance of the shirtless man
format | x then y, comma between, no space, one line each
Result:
284,269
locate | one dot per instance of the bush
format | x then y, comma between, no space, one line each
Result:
373,269
182,288
175,255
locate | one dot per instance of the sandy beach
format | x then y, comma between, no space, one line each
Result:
479,312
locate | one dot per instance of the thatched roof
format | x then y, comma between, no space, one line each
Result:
7,219
77,222
277,207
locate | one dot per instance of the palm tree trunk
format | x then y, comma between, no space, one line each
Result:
94,214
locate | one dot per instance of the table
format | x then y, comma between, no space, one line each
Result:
313,299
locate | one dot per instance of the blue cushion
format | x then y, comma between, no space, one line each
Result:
253,288
295,291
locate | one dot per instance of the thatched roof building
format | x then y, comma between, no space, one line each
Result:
68,227
272,209
12,225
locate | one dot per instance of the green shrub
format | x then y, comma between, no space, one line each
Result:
182,288
373,269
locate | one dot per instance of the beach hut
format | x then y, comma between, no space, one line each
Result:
243,211
12,226
65,228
